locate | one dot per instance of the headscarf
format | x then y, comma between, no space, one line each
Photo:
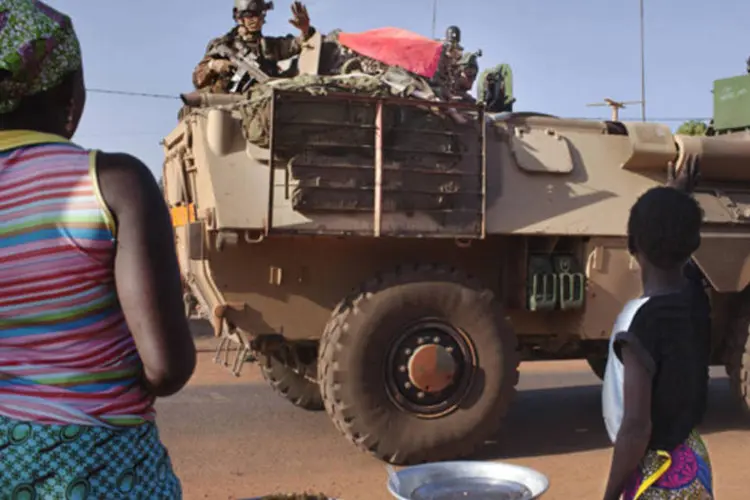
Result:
38,48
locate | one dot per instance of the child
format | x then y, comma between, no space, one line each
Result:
656,381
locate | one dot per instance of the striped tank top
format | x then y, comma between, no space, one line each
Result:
66,354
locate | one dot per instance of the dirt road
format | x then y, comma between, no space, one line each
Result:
232,438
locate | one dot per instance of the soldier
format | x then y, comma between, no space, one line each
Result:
445,78
214,71
466,75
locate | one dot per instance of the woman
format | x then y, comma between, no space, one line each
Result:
656,381
92,328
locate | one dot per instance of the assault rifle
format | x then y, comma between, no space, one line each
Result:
247,72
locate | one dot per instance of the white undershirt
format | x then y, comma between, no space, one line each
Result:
614,376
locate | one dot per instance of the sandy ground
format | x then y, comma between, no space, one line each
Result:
233,438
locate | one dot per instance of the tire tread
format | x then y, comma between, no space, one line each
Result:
336,335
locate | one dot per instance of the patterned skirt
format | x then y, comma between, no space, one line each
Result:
71,462
682,474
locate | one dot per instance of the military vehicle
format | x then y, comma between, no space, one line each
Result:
393,260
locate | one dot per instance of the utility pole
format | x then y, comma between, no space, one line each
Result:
615,105
434,17
643,66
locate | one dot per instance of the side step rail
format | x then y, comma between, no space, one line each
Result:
235,343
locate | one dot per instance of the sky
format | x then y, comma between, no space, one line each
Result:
564,54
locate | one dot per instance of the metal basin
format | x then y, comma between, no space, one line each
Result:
261,498
467,480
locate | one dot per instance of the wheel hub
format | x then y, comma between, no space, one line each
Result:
431,368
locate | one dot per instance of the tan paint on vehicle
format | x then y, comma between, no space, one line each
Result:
535,206
546,179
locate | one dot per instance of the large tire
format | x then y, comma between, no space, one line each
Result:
598,365
291,385
738,355
354,366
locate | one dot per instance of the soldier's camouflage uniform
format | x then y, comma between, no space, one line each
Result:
269,50
448,71
448,76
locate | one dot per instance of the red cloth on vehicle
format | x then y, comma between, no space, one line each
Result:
397,47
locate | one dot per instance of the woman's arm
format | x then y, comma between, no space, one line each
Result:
147,274
635,430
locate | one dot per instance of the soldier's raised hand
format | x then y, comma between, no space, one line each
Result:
688,176
300,18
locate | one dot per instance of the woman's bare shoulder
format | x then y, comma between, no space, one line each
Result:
126,180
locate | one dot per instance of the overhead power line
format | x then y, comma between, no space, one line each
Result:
174,97
133,94
643,65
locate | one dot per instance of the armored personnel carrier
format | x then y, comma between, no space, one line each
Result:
392,259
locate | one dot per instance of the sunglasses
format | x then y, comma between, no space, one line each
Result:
248,13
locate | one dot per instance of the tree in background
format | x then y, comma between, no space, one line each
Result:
693,127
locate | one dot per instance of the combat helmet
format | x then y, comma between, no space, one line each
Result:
453,34
254,6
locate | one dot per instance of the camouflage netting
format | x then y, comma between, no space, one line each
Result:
344,71
256,113
336,59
